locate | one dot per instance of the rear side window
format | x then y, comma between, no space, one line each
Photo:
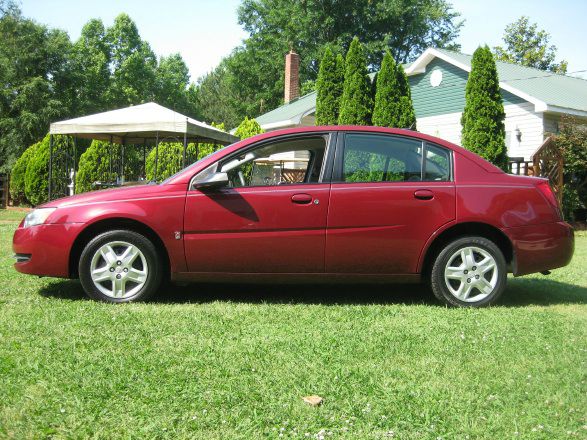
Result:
380,158
437,167
372,158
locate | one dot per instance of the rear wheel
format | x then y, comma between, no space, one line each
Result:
120,266
469,272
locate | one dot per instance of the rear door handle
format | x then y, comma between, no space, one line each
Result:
301,199
423,194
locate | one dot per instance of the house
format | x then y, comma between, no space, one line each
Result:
534,100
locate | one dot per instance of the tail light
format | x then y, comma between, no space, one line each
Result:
546,190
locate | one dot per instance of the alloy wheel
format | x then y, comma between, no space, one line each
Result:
471,274
119,269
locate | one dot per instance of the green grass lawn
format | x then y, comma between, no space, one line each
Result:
235,361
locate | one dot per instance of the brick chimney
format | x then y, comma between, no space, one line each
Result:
292,76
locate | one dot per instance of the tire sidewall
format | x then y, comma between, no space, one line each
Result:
438,284
146,247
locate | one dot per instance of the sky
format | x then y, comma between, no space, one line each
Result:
203,31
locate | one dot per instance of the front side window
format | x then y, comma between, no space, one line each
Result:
280,163
380,158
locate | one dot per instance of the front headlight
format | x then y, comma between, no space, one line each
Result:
37,217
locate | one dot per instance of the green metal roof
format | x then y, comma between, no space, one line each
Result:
553,89
290,113
538,86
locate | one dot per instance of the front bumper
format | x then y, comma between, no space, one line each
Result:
541,247
48,246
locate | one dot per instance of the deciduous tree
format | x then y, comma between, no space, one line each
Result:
525,44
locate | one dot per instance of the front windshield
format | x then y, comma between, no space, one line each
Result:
195,163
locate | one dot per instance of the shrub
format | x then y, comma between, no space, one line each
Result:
170,159
248,128
95,165
483,130
18,174
572,142
169,162
356,103
37,173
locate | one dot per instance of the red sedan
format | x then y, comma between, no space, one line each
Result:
351,204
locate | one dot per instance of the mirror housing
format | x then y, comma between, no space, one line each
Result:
215,180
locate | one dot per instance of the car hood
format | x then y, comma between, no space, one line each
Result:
105,195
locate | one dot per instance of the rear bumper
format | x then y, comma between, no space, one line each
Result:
541,247
47,248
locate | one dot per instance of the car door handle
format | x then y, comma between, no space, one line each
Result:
301,199
424,194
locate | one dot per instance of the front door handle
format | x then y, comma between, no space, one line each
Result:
301,199
424,194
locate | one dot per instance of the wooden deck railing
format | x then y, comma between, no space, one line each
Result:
546,162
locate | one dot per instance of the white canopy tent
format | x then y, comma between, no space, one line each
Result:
138,124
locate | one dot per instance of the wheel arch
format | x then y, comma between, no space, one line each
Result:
110,224
468,229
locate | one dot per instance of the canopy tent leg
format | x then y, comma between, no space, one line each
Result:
122,161
144,159
74,164
50,165
110,160
185,146
156,155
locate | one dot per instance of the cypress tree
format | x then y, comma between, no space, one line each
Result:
356,103
406,113
329,88
483,129
387,95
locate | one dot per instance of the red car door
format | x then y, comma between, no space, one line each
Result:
386,202
272,218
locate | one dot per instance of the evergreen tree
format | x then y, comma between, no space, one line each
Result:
356,103
406,113
329,88
387,95
248,128
17,176
483,130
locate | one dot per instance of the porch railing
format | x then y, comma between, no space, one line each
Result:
546,162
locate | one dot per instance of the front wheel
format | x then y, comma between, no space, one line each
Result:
120,266
469,272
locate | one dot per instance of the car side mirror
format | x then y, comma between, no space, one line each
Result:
215,180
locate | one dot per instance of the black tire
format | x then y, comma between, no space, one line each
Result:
150,257
447,255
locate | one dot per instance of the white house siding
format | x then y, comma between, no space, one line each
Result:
524,118
447,126
521,116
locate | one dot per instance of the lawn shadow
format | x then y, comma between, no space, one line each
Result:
519,293
522,292
63,289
